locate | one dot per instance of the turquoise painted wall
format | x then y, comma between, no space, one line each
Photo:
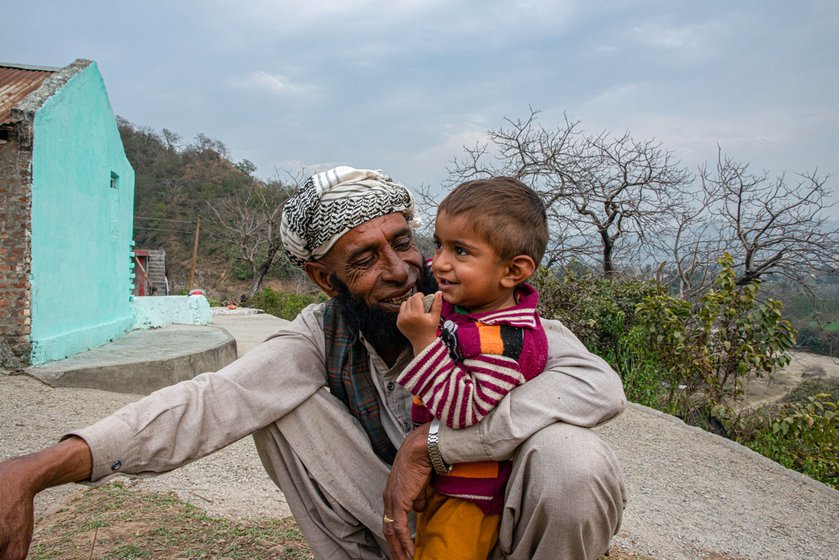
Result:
82,218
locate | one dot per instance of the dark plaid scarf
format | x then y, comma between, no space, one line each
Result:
349,378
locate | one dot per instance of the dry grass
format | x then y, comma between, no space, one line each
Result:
114,522
117,522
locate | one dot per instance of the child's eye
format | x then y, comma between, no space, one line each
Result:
437,245
460,251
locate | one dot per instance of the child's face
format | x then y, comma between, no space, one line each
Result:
467,268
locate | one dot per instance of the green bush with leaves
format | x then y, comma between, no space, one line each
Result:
601,312
819,339
283,304
640,370
803,437
709,348
691,359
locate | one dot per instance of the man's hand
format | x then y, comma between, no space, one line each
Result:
405,491
16,510
21,478
417,324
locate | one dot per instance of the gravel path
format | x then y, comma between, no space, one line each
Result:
692,495
695,495
231,482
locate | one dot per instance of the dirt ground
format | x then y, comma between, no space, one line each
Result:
692,495
803,367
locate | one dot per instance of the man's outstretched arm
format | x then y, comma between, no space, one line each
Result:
21,478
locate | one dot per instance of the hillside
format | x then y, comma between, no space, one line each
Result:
179,183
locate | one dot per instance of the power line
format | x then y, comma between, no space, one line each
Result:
162,229
205,234
164,219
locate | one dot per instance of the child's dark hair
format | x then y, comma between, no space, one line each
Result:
508,214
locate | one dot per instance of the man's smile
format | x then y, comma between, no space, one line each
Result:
399,299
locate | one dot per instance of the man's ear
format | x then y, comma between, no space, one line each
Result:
519,269
321,275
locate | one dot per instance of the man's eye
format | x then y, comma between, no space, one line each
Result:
403,244
364,263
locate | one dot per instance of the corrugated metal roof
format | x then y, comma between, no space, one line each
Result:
16,82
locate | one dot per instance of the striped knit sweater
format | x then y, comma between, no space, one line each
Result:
477,359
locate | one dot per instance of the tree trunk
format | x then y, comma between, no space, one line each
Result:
260,271
608,246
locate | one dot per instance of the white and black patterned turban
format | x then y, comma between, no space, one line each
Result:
333,202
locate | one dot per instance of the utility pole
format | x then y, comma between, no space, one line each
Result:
194,255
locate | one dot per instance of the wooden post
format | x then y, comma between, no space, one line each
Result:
194,255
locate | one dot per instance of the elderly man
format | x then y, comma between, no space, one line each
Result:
327,418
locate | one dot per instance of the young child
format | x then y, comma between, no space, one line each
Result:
483,339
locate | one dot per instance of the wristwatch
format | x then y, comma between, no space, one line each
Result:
440,466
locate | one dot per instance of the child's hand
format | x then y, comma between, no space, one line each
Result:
418,326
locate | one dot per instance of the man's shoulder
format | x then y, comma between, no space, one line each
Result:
308,322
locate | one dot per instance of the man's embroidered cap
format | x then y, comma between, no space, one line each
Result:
333,202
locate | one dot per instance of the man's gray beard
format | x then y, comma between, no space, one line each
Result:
379,326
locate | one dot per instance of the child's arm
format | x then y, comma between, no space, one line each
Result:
418,324
458,393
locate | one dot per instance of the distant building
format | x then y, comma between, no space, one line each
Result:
150,273
66,205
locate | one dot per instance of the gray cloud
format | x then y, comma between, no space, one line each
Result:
402,85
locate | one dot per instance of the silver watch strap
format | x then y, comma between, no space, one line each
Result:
440,466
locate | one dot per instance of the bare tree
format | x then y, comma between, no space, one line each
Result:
250,221
606,196
770,226
694,248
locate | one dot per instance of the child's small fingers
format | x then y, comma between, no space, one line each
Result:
437,305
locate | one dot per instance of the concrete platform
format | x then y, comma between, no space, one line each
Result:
249,329
143,361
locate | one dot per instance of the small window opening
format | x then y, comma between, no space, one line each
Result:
114,180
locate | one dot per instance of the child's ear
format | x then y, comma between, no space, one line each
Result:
519,269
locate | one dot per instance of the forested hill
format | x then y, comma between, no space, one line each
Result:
178,182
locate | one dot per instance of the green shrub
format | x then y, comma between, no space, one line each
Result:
691,359
807,389
600,311
241,269
640,370
803,437
819,340
283,304
709,348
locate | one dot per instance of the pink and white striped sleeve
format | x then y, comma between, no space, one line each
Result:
460,394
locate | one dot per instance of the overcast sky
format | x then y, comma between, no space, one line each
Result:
403,85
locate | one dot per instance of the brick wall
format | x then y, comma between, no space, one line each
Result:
15,250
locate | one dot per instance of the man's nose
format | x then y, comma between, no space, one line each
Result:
396,269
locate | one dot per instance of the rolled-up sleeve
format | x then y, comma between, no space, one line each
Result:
190,420
576,387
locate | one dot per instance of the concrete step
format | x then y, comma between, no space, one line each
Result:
143,361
